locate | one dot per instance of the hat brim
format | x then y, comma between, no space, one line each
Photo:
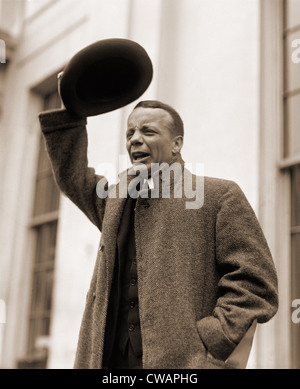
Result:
105,76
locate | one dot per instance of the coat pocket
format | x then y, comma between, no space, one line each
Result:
210,361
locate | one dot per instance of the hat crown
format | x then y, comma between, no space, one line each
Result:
104,76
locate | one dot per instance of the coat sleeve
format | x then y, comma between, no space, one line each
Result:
66,143
247,288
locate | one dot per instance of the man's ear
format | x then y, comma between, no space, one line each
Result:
177,144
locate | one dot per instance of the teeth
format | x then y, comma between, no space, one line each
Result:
139,155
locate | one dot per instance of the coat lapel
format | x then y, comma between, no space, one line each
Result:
114,209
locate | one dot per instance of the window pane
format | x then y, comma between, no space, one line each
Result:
52,101
46,242
47,195
45,328
292,64
48,284
32,331
42,294
40,313
293,125
292,13
295,189
36,292
43,160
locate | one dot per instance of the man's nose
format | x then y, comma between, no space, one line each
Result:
136,138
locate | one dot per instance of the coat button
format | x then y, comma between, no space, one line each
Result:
133,281
131,327
132,304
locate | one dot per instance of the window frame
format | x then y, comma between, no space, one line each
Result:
291,163
43,224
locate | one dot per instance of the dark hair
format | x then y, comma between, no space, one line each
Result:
177,128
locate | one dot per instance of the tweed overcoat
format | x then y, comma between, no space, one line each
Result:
204,275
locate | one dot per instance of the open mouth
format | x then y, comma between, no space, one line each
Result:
139,156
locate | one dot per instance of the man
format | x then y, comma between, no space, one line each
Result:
172,287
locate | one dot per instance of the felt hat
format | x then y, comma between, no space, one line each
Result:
104,76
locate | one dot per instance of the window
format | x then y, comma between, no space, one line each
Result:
295,253
44,224
291,152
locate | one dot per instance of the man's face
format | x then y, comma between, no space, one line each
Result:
148,137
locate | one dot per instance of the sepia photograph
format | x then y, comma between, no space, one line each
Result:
150,187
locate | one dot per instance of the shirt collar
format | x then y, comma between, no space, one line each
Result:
149,182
